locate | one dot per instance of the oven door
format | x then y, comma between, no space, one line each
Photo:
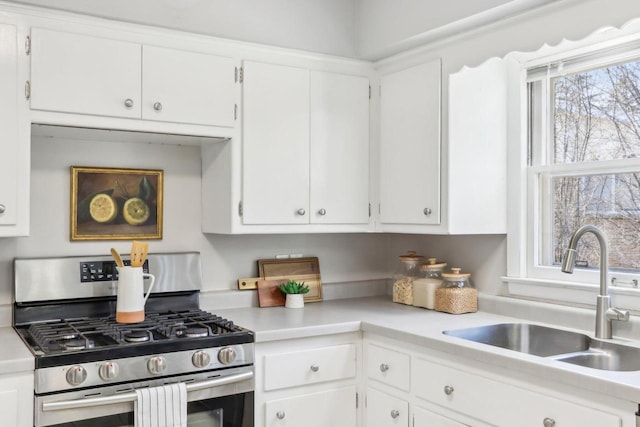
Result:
219,399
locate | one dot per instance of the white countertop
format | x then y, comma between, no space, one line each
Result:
14,354
424,327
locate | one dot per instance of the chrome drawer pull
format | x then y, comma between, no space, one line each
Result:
384,367
448,390
395,413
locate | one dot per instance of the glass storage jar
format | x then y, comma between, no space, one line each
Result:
457,295
407,271
424,288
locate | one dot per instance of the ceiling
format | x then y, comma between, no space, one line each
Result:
368,29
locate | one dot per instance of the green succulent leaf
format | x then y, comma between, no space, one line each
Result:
293,287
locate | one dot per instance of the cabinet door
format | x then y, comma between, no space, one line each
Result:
16,399
187,87
410,145
275,144
339,149
81,74
384,410
8,129
335,408
424,418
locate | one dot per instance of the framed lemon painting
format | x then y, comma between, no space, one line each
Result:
116,204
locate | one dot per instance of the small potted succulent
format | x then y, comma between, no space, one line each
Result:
295,293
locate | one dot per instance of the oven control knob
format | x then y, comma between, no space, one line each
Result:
108,371
76,375
157,365
200,359
227,355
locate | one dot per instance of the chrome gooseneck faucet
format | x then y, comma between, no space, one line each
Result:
605,314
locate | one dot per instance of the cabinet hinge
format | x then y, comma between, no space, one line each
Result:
27,45
241,77
369,210
235,112
356,400
369,91
240,211
27,90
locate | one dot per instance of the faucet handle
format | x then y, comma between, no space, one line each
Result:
617,314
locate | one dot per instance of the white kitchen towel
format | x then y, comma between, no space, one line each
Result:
163,406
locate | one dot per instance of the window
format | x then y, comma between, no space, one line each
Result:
584,163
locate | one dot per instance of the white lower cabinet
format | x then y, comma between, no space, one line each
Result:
335,408
443,390
308,382
425,418
16,399
384,410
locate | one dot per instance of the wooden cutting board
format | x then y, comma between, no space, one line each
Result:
305,270
269,294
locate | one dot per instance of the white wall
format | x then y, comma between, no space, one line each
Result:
326,26
224,258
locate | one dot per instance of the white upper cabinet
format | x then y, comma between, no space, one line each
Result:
477,166
305,146
339,165
187,87
275,140
82,74
410,145
14,148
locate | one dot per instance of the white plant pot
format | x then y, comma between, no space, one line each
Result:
294,301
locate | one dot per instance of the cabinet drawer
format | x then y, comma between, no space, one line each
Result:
335,408
309,366
384,410
463,392
388,366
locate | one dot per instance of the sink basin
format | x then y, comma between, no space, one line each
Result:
558,344
526,338
606,356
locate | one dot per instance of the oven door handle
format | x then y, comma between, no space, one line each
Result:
131,396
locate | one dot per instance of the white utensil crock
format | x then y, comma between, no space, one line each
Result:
131,296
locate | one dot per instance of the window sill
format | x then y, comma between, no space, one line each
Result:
571,293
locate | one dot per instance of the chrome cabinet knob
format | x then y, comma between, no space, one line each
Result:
427,211
226,355
76,375
384,367
200,359
157,106
280,415
301,211
157,365
3,208
322,212
315,367
548,422
448,390
108,371
395,413
128,102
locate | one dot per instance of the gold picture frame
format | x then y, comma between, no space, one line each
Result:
116,204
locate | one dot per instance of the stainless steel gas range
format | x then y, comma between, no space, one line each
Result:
90,369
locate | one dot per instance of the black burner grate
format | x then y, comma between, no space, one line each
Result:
91,333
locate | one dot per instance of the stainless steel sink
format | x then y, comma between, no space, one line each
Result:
606,356
526,338
561,345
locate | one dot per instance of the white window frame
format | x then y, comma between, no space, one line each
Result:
526,277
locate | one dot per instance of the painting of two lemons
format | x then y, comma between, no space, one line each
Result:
116,204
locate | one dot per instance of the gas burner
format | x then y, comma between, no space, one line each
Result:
138,335
74,344
196,332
